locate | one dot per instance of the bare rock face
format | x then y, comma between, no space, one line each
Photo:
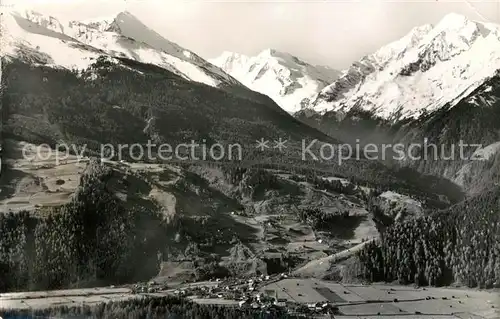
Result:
353,77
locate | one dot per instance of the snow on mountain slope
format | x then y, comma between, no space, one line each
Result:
129,26
289,81
424,71
72,44
38,44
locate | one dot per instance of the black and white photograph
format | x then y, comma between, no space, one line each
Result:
214,159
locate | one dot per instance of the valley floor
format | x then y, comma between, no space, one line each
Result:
353,301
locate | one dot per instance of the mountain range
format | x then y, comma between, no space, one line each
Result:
76,44
383,97
289,81
116,81
429,68
438,83
401,80
424,85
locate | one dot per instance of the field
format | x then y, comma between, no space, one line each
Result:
353,301
380,300
32,176
47,299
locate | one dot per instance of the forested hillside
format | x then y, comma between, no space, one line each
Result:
92,106
91,240
458,245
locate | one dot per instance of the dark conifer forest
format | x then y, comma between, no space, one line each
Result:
93,240
458,245
151,308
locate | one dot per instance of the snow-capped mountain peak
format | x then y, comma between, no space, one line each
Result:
399,47
273,53
75,44
453,21
289,81
103,24
430,67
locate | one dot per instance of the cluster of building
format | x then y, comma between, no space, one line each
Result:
266,301
243,293
232,289
249,293
150,287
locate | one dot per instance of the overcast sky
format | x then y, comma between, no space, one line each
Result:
322,32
